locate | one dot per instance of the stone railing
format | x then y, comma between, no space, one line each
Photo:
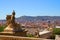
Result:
4,37
57,37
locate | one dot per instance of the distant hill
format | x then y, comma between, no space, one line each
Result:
35,18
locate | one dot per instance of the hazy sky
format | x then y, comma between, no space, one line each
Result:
30,7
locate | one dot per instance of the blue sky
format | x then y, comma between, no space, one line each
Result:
30,7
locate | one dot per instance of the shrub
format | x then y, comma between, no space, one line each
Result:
56,31
29,35
2,28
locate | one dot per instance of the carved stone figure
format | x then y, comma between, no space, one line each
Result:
12,26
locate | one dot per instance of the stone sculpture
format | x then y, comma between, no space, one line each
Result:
13,27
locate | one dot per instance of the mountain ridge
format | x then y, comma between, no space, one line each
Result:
35,18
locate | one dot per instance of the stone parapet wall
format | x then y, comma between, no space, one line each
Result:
2,37
57,37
